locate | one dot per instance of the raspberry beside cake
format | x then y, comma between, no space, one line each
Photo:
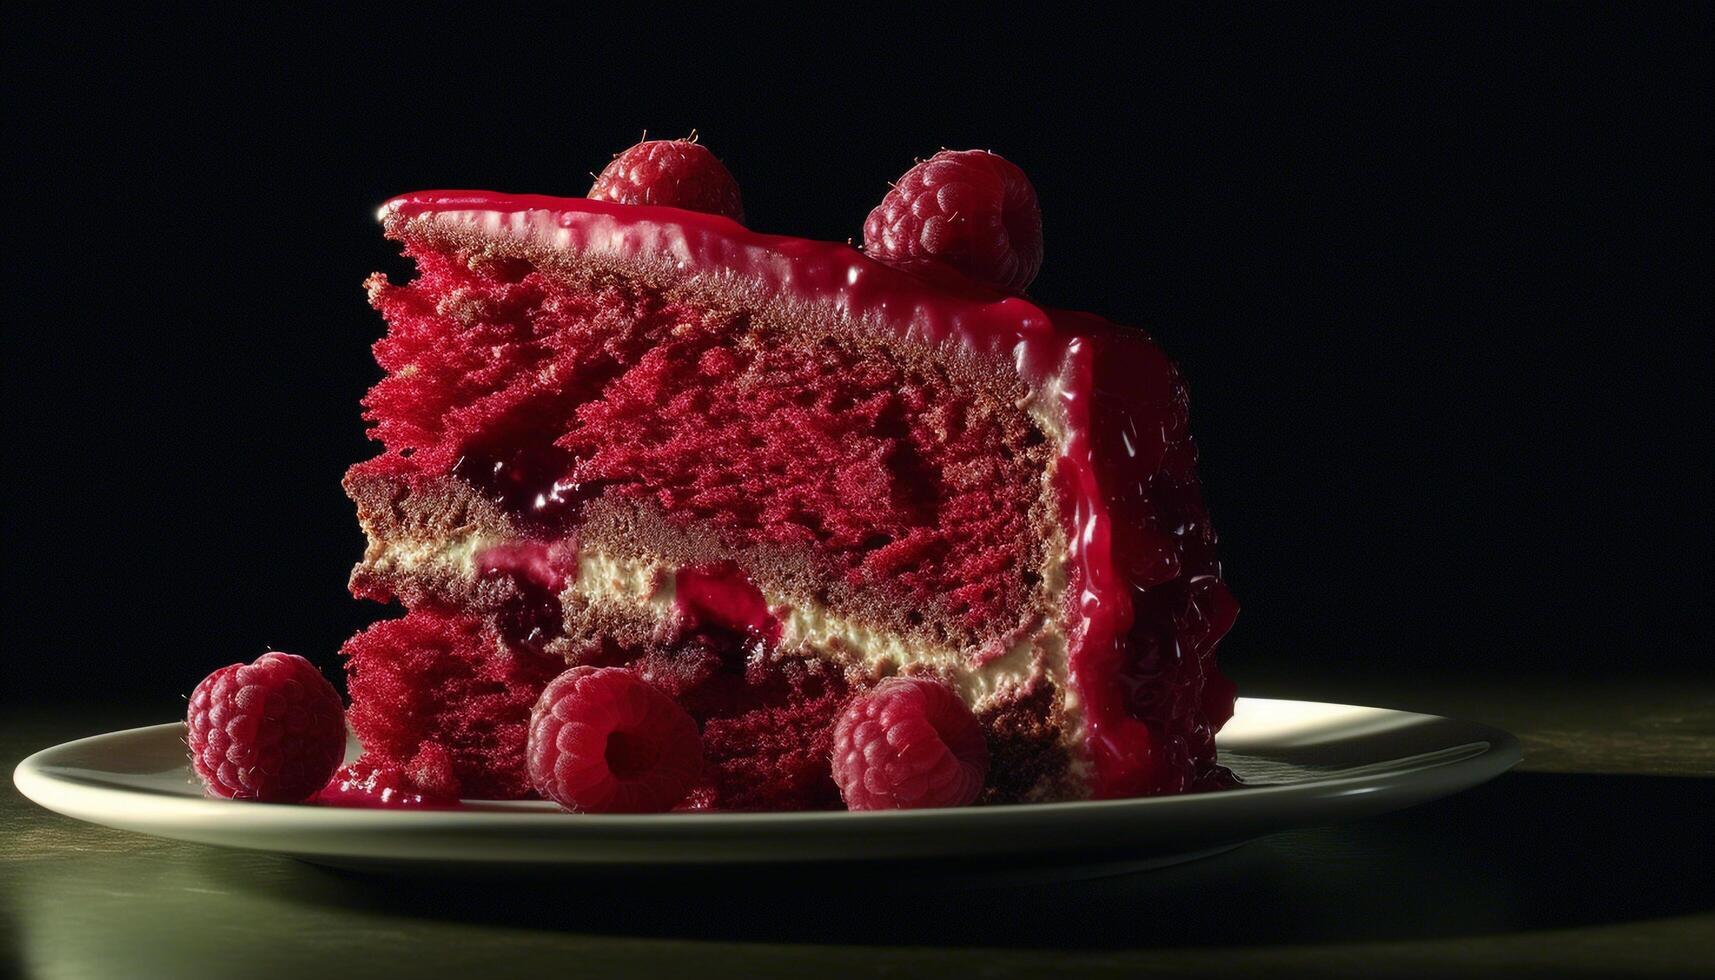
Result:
764,474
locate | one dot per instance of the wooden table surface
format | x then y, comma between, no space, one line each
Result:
1593,858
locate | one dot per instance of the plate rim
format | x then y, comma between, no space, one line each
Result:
1494,752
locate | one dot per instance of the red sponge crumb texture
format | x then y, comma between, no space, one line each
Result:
491,351
910,743
885,471
442,699
772,752
890,477
602,740
273,730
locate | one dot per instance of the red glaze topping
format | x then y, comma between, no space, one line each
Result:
953,313
1151,694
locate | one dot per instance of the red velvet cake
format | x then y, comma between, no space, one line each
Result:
763,475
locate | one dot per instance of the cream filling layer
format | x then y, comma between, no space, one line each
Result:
807,628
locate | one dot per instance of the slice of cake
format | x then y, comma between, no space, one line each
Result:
763,474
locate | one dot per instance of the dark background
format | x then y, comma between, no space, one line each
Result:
1440,281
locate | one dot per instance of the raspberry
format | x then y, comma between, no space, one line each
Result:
273,730
970,209
602,740
674,173
909,743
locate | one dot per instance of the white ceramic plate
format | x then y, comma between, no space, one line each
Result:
1302,762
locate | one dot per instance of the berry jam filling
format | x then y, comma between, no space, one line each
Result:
533,484
720,596
536,572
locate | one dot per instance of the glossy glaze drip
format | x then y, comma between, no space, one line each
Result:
1126,414
371,788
